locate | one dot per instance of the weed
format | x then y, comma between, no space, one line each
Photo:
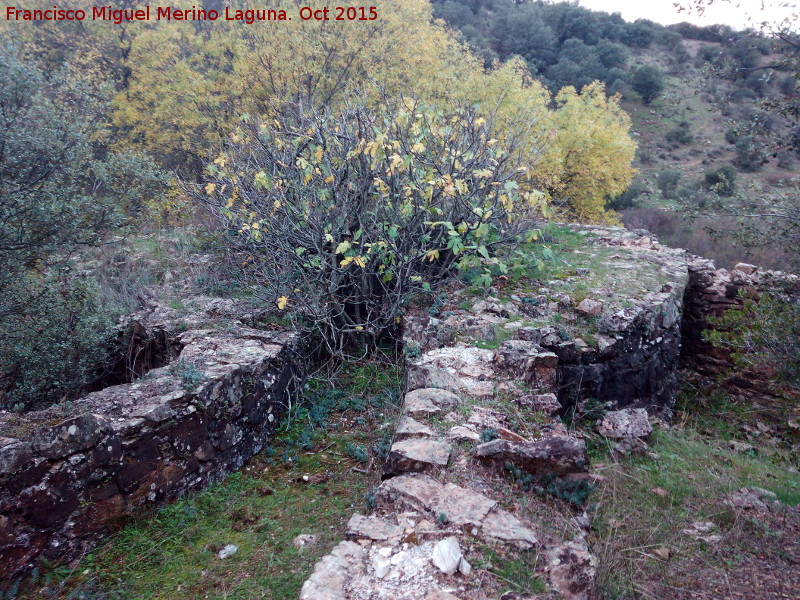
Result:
517,571
489,434
574,492
357,452
190,376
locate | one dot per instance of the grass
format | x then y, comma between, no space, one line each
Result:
172,552
645,503
515,569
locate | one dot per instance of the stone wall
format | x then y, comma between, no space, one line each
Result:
70,474
710,293
617,346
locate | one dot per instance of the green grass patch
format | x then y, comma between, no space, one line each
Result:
335,434
516,569
645,504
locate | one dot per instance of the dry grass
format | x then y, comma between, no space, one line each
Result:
646,503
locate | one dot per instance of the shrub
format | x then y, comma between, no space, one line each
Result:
681,133
628,198
668,182
648,82
61,343
744,94
61,188
787,85
722,180
763,332
338,218
748,157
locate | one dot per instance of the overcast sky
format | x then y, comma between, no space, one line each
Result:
736,13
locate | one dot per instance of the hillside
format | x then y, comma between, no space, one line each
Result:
711,103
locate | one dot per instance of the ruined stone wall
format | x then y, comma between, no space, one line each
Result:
69,475
710,293
617,346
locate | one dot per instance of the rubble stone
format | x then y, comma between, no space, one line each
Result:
557,455
416,455
626,423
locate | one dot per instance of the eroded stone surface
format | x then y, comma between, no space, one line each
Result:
544,403
447,555
572,570
409,492
426,401
333,573
373,528
590,308
460,432
556,455
461,369
754,498
626,423
529,362
411,428
462,506
503,526
416,455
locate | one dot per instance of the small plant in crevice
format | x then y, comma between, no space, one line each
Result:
412,350
438,302
585,413
573,492
381,447
489,434
371,499
442,519
190,376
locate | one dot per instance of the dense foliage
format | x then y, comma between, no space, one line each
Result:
339,218
563,43
61,188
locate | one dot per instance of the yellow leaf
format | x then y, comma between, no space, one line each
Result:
359,328
210,188
282,302
318,155
343,247
329,179
432,255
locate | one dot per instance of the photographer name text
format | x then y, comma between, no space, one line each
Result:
169,13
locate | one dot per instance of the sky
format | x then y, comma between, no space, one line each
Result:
736,13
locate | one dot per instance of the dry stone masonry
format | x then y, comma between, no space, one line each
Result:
609,331
487,382
710,293
68,475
